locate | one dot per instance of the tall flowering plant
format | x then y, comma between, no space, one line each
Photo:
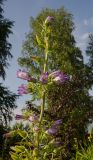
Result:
42,140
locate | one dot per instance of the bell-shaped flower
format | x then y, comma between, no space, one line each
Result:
22,74
49,19
52,131
25,76
33,118
44,78
58,122
22,89
59,77
19,117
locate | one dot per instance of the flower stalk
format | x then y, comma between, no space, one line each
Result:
43,94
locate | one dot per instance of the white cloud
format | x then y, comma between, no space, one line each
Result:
88,22
84,36
91,20
81,40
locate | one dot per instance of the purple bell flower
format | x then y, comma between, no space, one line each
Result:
59,77
25,76
51,131
19,117
22,74
22,89
58,122
49,19
44,78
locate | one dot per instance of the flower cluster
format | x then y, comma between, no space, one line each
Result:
58,77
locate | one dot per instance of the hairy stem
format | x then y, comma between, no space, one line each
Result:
43,93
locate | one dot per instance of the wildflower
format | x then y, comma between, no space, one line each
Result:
33,118
22,89
58,122
44,78
19,117
49,19
59,77
22,74
51,131
25,76
36,129
55,74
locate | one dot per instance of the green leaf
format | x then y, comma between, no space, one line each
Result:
18,149
23,134
14,156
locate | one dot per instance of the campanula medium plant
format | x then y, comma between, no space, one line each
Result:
41,141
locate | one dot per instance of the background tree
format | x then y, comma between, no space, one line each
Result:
71,102
7,98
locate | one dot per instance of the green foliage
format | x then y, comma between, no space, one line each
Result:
7,104
5,46
85,152
26,147
13,140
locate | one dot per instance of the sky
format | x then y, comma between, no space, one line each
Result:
20,12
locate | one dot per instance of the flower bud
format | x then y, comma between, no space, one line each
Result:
49,19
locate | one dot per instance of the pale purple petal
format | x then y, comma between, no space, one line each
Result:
49,19
51,131
25,76
22,89
59,77
58,122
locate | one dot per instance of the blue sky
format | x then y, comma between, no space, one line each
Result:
20,12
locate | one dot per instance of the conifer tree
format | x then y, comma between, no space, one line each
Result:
7,98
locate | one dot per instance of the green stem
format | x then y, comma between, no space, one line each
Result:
43,93
42,108
43,89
